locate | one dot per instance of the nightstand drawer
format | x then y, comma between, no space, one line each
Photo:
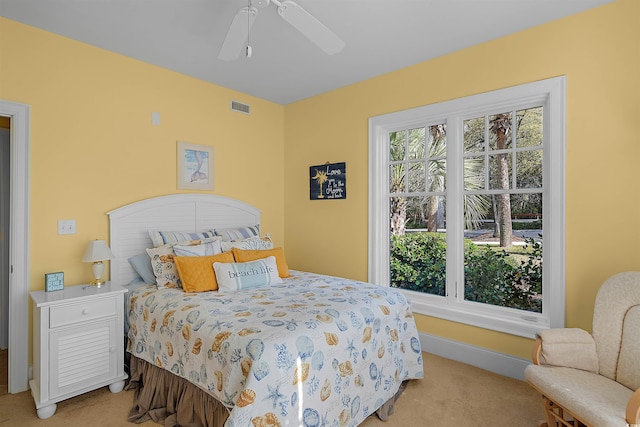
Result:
82,311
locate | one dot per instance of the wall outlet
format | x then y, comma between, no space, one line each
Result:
66,226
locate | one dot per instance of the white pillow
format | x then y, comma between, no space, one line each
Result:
255,242
235,276
206,248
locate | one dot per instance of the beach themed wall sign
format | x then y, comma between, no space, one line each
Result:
328,181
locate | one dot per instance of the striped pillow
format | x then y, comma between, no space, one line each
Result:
160,238
237,233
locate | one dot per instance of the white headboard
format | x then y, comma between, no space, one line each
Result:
129,225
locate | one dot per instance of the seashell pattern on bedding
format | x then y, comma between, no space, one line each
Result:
315,350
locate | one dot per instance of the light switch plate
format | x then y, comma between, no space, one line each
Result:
66,226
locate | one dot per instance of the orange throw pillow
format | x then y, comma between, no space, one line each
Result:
244,255
196,272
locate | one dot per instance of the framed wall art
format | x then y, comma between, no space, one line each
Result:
328,181
195,166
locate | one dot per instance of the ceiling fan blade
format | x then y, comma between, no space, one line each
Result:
308,25
238,33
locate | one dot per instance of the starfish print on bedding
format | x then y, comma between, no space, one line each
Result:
228,399
218,325
275,395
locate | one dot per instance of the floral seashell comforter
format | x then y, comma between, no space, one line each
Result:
313,351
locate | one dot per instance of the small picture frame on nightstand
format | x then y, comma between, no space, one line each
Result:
54,281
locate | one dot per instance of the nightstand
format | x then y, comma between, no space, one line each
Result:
78,343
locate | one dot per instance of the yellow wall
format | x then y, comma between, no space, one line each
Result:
598,51
93,147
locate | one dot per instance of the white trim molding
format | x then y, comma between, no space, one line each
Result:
493,361
19,279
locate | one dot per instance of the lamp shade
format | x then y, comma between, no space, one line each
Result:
97,251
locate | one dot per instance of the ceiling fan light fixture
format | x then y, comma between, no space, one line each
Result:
261,3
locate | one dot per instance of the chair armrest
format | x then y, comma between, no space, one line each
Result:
535,352
568,347
633,409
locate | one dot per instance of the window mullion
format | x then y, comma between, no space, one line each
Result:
455,214
513,154
485,152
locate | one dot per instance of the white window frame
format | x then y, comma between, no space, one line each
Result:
551,94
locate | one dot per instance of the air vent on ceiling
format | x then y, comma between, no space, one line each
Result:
240,107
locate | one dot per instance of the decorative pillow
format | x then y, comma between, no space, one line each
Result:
237,276
160,238
255,242
164,268
196,272
142,265
242,255
237,233
207,247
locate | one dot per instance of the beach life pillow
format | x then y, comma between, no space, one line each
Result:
237,233
205,247
159,238
196,272
244,255
255,242
236,276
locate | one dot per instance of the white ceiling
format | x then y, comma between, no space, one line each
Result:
380,35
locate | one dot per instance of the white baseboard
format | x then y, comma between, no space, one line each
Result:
489,360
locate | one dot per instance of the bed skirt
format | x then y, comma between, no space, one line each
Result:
172,401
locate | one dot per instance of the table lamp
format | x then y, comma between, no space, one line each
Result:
96,252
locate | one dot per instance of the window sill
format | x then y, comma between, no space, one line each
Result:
500,319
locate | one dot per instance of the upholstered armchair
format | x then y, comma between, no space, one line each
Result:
593,380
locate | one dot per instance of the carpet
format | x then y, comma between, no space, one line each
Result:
451,394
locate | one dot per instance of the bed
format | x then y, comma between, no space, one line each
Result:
304,350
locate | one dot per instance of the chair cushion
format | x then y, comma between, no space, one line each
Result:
596,399
569,347
616,297
628,373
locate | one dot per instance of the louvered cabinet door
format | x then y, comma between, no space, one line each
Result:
82,356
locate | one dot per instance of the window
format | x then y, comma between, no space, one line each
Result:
466,207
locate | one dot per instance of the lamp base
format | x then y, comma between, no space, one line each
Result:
97,282
98,269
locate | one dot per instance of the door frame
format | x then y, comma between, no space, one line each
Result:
19,280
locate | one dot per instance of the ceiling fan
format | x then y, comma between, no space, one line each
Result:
238,34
